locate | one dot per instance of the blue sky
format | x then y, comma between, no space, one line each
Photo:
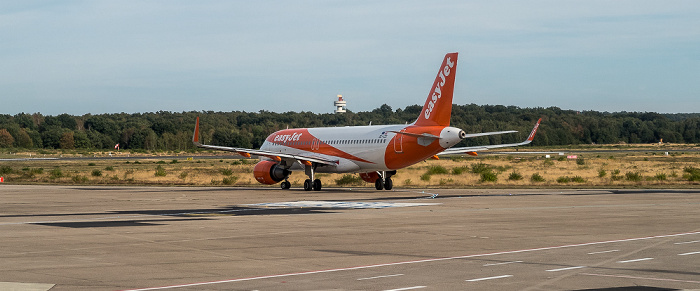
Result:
81,57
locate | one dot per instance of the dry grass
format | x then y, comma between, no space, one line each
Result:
619,169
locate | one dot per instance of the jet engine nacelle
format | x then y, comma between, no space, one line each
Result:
268,172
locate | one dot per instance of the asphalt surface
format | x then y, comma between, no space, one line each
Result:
158,238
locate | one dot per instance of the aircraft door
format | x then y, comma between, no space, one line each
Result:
398,143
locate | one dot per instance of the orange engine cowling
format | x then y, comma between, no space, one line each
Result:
267,172
370,177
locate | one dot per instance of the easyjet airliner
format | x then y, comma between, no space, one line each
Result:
376,152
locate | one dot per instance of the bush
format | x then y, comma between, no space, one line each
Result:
96,173
4,170
425,177
514,176
56,173
691,173
458,170
349,179
580,162
91,164
109,168
660,177
578,179
480,168
488,176
536,177
563,179
174,162
226,172
160,172
183,175
436,170
633,176
229,180
160,162
548,162
79,179
602,173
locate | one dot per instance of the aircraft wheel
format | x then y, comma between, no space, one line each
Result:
317,185
379,184
388,184
286,185
307,185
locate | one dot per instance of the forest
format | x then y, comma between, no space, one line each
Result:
172,131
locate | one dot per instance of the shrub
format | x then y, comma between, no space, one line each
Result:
407,182
580,162
226,172
349,179
79,179
91,164
578,179
229,180
96,173
425,177
488,176
633,176
458,170
691,173
174,161
56,173
536,177
436,170
4,170
480,168
160,162
514,176
160,172
183,175
563,179
109,168
602,173
660,176
548,162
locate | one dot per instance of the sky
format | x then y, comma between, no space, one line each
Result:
81,57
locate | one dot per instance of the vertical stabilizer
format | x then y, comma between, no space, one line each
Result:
438,107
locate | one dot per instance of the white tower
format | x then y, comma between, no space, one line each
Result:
340,104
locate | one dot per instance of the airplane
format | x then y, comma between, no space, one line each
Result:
376,152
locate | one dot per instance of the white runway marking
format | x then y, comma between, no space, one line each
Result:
687,242
693,253
635,260
407,288
489,278
343,205
603,252
378,277
415,262
566,269
504,263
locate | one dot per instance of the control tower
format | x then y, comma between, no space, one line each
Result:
340,104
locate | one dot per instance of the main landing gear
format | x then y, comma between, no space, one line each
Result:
311,183
384,181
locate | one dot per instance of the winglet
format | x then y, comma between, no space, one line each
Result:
534,130
195,135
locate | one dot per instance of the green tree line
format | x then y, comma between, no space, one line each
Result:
172,131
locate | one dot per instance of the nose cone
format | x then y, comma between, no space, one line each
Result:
450,136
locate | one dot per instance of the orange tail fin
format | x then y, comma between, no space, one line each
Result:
438,107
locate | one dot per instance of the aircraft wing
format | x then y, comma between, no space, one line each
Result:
260,153
474,149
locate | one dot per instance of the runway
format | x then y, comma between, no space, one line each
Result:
181,238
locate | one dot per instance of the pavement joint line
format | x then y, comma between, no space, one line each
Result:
411,262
